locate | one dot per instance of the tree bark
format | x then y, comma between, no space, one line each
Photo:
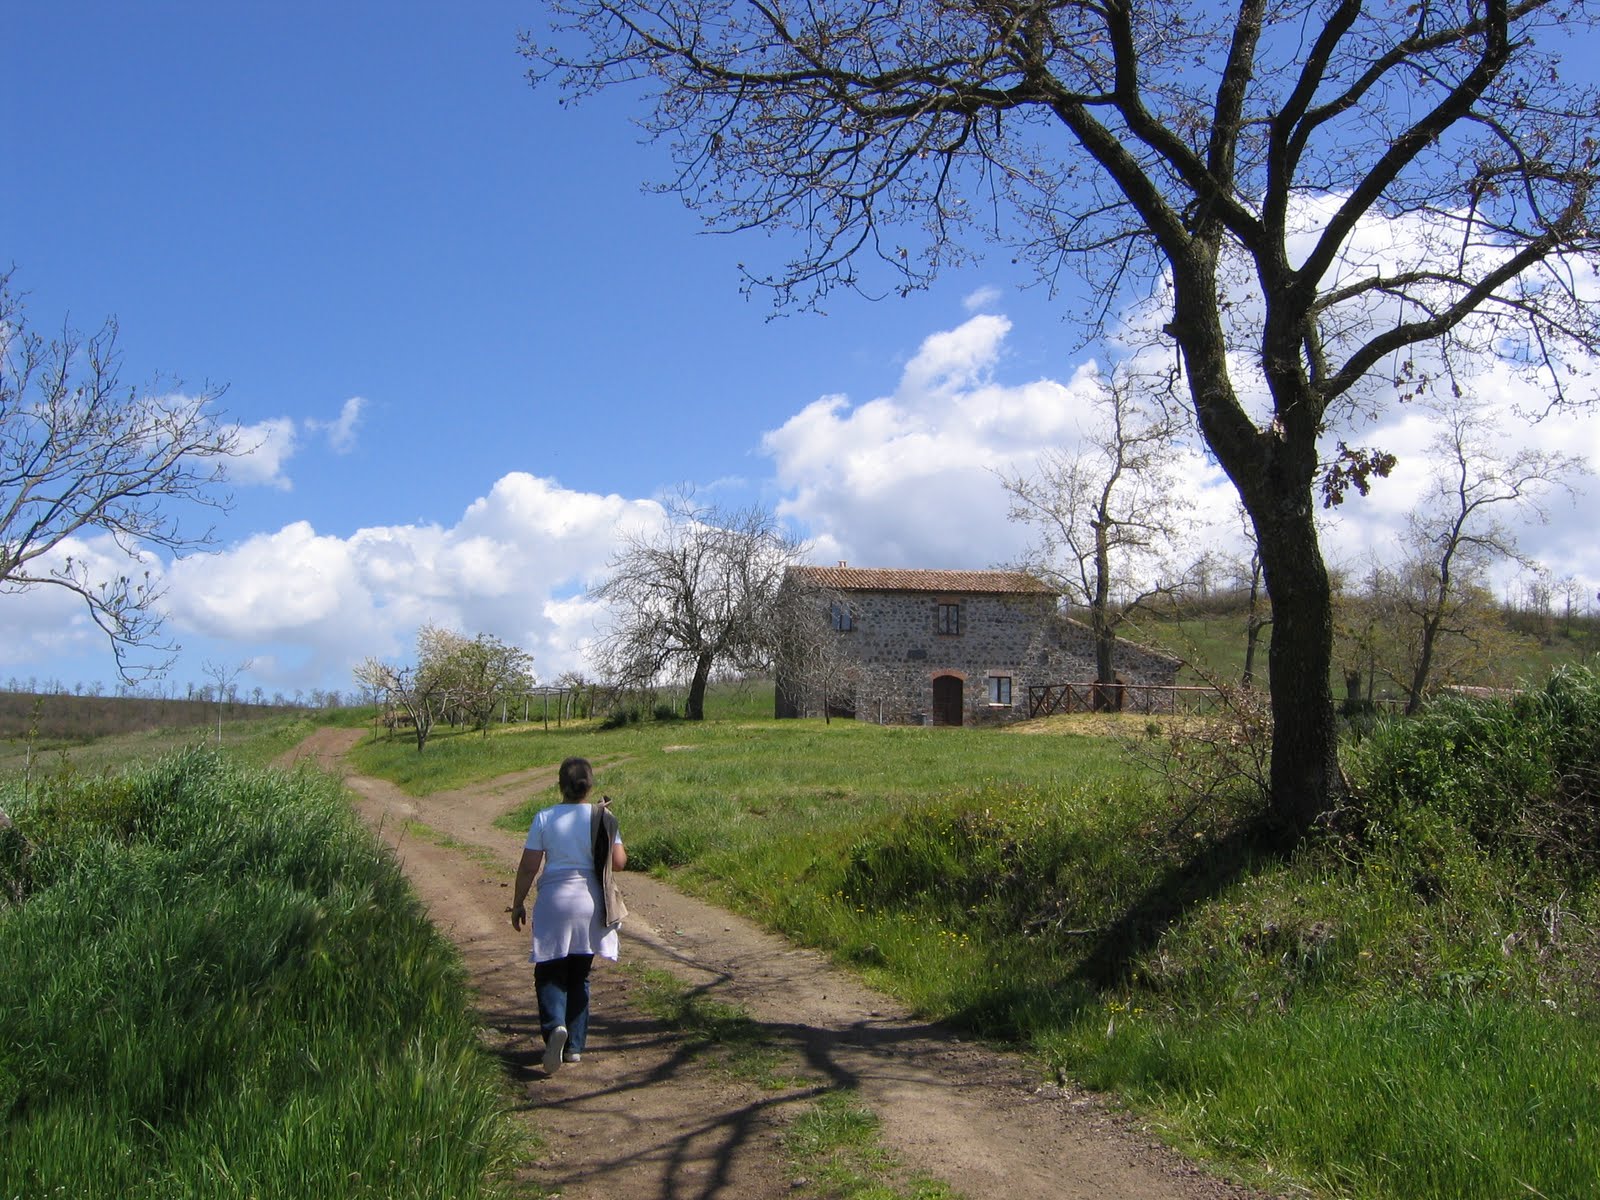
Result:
1305,779
1254,623
694,708
1419,677
1105,643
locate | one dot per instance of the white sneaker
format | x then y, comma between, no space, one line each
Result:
553,1048
571,1056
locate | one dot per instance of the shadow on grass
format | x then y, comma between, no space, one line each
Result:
1190,881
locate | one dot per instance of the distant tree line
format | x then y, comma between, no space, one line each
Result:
62,714
177,690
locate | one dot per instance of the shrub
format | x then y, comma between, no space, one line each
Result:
1215,769
621,718
1521,776
1004,862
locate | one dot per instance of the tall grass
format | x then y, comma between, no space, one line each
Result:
216,984
1396,1097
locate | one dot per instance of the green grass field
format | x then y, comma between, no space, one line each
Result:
1212,645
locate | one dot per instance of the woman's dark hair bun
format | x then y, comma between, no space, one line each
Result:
575,778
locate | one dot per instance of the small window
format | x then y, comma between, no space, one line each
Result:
1000,690
840,618
949,619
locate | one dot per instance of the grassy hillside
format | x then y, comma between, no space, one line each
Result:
1211,639
1405,1007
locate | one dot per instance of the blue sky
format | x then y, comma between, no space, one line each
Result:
470,346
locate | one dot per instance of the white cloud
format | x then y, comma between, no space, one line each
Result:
47,624
910,480
515,566
267,445
341,431
270,585
1368,528
906,478
982,299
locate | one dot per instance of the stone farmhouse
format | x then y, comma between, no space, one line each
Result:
933,647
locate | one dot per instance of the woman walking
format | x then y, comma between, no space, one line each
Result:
569,926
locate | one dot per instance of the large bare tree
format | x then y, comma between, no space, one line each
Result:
1329,201
81,453
701,591
1107,515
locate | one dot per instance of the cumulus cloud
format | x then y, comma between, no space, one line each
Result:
267,446
515,565
47,625
905,478
910,480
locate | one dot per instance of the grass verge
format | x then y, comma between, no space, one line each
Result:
216,984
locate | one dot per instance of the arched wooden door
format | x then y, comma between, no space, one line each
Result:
947,699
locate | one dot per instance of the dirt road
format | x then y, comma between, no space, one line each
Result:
641,1119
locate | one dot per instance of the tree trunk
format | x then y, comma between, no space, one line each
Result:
694,708
1105,643
1305,777
1274,471
1419,677
1253,625
1105,634
1352,689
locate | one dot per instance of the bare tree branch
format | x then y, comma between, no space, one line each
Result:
1107,516
81,453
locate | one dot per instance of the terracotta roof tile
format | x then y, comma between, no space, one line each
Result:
885,579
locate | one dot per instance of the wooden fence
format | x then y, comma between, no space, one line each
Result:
1052,698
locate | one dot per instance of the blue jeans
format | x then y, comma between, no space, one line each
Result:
563,988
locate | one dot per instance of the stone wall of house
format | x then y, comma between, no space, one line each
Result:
897,652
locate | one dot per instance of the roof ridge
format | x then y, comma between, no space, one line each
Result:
919,579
